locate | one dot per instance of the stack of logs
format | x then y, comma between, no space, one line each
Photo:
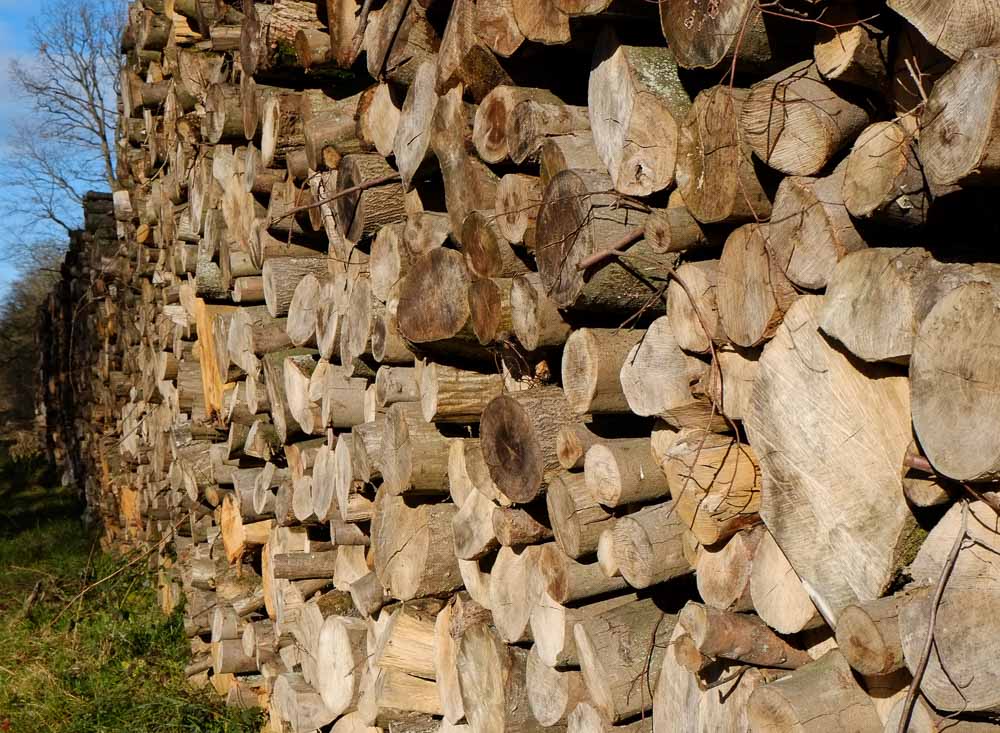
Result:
508,365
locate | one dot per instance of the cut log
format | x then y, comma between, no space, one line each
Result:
811,229
518,199
340,653
868,635
565,580
362,213
487,253
518,433
378,118
703,37
536,318
636,103
738,637
493,119
591,364
796,123
515,584
552,693
624,472
791,703
710,148
282,275
695,324
449,394
715,483
464,59
723,572
412,144
752,292
433,298
577,518
428,565
952,27
414,452
648,546
472,527
852,50
777,592
620,653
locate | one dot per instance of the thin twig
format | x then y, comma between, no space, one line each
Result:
925,654
626,241
359,36
353,189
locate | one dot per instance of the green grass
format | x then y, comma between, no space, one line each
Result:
106,663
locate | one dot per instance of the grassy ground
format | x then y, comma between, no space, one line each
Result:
109,662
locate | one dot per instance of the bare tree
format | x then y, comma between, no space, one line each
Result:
65,145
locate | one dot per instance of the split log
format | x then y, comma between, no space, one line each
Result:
412,143
515,585
552,626
472,527
465,59
777,592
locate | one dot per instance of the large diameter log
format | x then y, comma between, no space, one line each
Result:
636,103
715,483
518,433
791,703
952,27
710,148
406,642
958,136
576,516
739,637
433,298
591,363
621,651
579,217
959,675
413,548
776,591
648,546
802,376
492,680
952,372
752,292
890,291
811,229
796,123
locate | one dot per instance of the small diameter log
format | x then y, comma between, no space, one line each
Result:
303,310
489,303
722,572
552,693
304,565
883,180
517,527
390,260
362,213
710,148
702,38
577,518
816,379
515,585
552,626
618,648
297,702
674,229
239,538
487,253
396,384
811,229
777,592
445,652
565,580
228,658
340,654
656,379
533,121
368,595
739,637
378,118
648,546
518,433
791,703
414,452
412,144
695,324
852,50
752,292
492,680
796,123
449,394
579,216
518,197
536,318
624,472
591,365
413,548
636,104
541,22
715,483
282,275
868,635
573,443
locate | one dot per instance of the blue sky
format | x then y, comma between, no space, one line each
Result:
15,40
